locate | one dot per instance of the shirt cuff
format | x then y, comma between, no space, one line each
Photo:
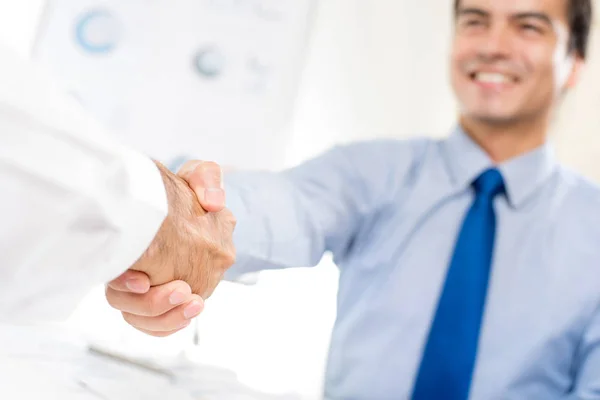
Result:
247,234
144,211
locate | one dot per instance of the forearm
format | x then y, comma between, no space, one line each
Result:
60,237
77,208
275,227
290,218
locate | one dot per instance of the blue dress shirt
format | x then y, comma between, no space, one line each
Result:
390,211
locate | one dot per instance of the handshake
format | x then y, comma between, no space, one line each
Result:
165,289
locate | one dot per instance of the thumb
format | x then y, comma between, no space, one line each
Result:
131,281
205,179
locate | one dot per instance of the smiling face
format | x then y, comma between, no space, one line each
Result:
510,59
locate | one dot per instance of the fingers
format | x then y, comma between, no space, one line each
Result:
160,311
158,334
205,178
156,301
131,281
171,321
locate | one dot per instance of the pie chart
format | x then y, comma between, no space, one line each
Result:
98,32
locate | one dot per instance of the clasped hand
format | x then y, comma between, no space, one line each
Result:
165,289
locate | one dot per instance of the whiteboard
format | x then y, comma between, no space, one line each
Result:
207,79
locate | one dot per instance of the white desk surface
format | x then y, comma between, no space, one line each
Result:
47,363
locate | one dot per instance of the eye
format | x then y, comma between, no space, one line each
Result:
531,28
470,24
473,22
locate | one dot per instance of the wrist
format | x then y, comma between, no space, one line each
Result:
170,183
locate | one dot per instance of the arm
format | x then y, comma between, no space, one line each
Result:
77,208
291,218
587,376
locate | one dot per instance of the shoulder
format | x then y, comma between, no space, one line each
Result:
388,155
385,146
578,209
384,168
574,250
581,195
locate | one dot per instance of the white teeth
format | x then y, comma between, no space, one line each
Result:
490,77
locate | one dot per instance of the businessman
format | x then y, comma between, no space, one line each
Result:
469,266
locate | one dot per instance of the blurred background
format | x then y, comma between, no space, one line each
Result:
261,84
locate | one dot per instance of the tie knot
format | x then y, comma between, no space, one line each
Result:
489,183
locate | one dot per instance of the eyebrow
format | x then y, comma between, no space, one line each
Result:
518,16
534,15
473,11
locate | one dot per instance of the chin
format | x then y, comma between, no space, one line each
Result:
493,118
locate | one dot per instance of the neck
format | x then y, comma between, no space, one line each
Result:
505,141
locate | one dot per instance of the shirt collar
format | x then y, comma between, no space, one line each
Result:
523,175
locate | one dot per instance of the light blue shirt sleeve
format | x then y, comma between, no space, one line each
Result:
587,380
291,218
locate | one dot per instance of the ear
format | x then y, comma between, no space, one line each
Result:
577,64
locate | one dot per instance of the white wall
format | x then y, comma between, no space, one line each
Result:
379,68
577,130
375,69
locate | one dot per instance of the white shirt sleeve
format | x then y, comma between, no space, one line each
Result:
76,208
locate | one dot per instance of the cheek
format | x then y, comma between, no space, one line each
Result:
454,74
543,83
541,66
457,66
463,53
458,54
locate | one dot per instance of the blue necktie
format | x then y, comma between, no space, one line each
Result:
449,357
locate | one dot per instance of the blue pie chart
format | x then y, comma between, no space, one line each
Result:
98,31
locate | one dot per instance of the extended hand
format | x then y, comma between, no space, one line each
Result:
192,245
165,288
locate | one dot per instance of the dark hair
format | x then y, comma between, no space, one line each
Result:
580,22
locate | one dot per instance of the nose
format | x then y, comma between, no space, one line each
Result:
496,44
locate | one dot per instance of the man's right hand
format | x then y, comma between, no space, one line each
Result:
186,260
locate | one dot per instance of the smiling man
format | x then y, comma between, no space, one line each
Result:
469,266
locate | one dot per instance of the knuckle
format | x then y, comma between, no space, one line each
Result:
188,167
229,259
213,174
173,322
110,298
147,332
208,169
221,255
154,305
115,283
211,166
218,277
228,217
213,249
128,318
